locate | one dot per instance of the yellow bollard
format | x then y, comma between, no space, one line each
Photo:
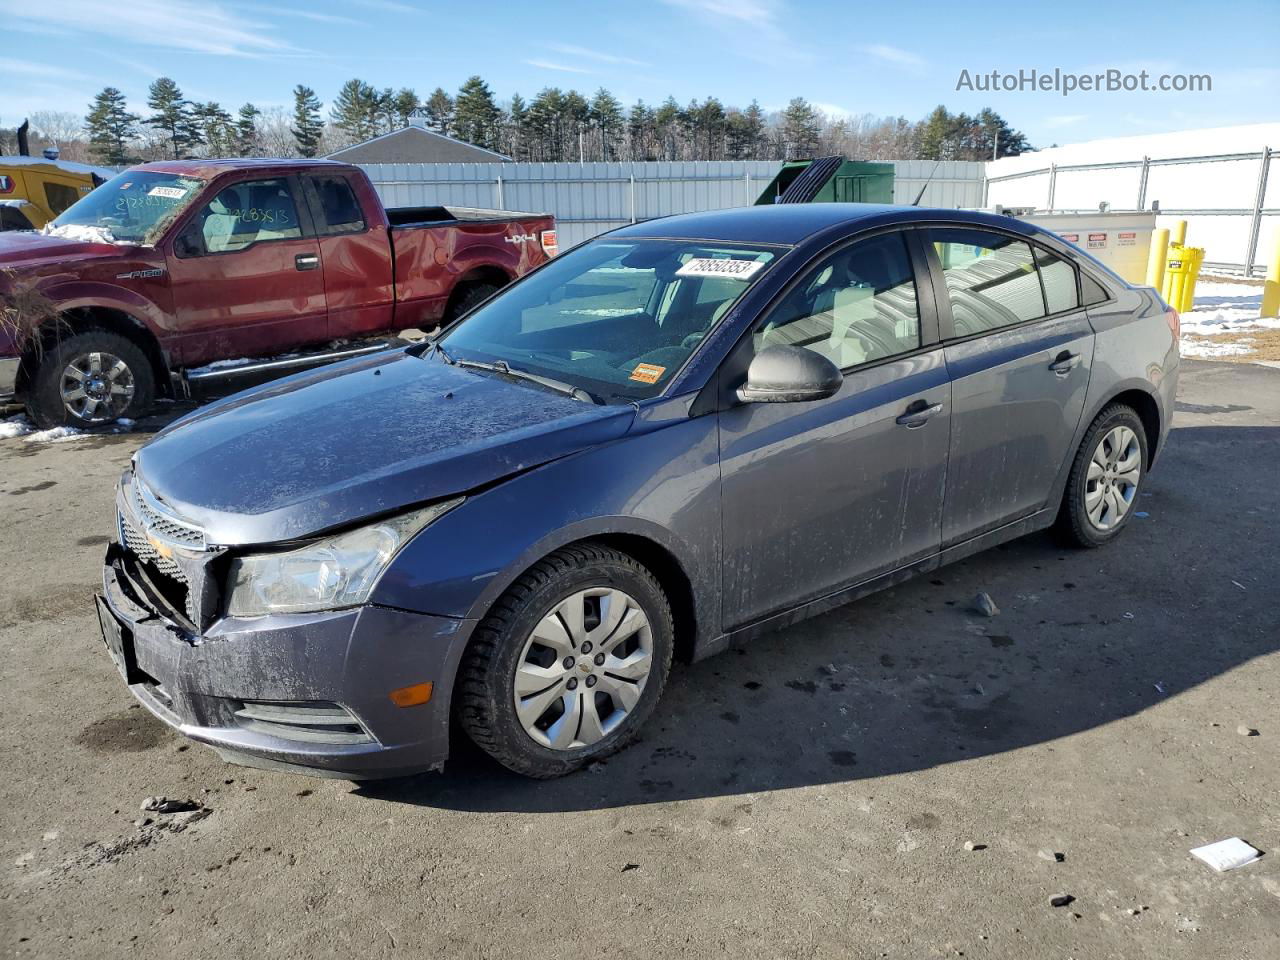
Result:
1155,260
1181,272
1180,233
1271,287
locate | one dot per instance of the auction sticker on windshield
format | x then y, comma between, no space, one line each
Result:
711,267
647,372
170,193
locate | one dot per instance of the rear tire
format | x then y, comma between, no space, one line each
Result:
1106,479
614,660
471,297
89,379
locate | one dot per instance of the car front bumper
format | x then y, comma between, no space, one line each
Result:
308,693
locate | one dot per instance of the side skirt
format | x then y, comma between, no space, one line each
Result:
785,618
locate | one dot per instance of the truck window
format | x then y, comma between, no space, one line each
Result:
246,213
336,206
12,218
60,196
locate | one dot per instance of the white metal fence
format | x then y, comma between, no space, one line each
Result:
590,198
1230,201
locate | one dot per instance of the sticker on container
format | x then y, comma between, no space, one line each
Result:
711,267
169,193
1097,241
1070,237
1126,239
647,372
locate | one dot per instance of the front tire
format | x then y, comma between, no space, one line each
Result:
90,379
1106,478
568,664
470,298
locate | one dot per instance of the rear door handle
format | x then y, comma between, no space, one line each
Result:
1064,363
306,261
918,414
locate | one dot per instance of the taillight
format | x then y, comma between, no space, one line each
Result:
1175,322
549,244
6,184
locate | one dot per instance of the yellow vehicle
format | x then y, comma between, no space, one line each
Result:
34,190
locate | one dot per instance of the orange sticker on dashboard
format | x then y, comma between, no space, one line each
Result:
647,372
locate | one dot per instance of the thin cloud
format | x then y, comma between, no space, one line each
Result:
40,71
176,24
552,65
389,5
890,54
752,29
597,55
294,12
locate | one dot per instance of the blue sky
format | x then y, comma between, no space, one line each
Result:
880,58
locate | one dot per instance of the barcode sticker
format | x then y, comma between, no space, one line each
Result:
711,267
169,193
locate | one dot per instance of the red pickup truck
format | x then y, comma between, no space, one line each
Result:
171,266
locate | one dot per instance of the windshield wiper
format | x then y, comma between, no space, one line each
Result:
502,367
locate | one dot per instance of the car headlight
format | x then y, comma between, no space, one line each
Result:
339,571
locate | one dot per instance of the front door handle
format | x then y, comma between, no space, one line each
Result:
1064,363
307,261
918,414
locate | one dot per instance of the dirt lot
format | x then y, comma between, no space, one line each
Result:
809,796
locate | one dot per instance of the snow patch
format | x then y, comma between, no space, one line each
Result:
1221,310
18,426
1211,348
85,234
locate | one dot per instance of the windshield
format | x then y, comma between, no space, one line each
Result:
133,207
616,318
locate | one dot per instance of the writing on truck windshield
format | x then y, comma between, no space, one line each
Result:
133,207
616,318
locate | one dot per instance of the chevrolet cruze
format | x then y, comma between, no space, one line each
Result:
674,437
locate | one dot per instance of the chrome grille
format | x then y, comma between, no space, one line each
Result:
163,525
137,543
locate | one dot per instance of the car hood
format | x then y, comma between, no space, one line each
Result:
357,439
19,249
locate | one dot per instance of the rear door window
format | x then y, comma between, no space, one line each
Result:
991,279
336,208
1059,280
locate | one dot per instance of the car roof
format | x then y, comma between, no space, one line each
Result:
792,223
215,166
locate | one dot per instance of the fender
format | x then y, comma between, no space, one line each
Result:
83,294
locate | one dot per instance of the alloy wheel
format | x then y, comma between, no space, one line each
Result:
583,669
1112,481
97,387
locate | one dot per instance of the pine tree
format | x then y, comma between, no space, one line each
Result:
173,116
746,133
934,135
640,132
666,123
439,111
385,110
111,126
513,140
308,128
216,128
355,111
606,118
476,114
801,128
407,106
247,141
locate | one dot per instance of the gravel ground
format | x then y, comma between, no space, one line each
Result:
808,796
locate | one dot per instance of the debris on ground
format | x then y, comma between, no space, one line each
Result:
984,605
630,866
1053,856
971,846
1246,731
166,805
1062,900
1227,854
1159,687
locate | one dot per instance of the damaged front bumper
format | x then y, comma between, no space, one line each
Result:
306,692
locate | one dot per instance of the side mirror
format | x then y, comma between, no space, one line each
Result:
784,374
185,245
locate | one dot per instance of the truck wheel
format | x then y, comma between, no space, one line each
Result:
1106,477
471,297
90,378
568,664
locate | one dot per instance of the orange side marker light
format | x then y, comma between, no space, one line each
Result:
412,696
